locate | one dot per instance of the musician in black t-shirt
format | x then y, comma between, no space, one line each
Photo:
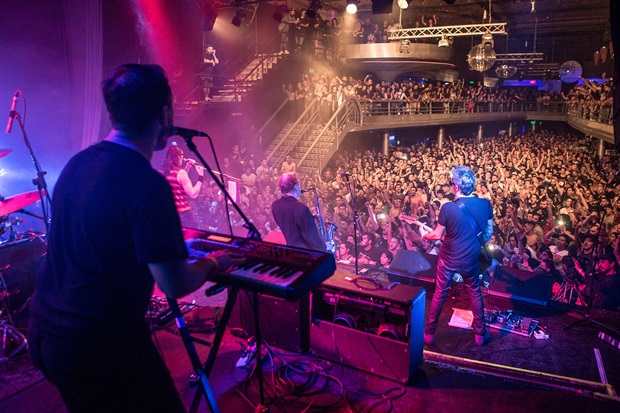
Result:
115,231
460,251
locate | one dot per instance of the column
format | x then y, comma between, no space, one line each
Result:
440,137
386,143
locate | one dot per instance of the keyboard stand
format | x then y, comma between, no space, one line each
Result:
203,371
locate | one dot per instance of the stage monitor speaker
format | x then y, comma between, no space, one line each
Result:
376,330
525,286
382,6
415,265
284,324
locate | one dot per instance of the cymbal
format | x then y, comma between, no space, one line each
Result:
4,152
17,202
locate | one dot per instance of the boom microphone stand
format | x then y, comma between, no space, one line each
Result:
590,272
39,181
356,224
204,370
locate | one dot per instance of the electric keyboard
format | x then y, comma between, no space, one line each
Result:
273,269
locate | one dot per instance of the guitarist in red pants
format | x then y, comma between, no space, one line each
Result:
464,225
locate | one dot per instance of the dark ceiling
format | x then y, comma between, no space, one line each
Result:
561,29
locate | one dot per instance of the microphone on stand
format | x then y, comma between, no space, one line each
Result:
344,175
9,125
186,133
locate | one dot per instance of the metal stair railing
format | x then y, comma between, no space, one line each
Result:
346,117
301,126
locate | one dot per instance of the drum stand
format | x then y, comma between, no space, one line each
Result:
13,341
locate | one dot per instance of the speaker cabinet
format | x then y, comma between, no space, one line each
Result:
525,286
359,324
414,265
284,324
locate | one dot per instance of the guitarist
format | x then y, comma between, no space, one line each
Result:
463,239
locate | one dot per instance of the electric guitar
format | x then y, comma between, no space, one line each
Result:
423,227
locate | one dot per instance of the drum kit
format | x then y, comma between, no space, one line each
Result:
20,258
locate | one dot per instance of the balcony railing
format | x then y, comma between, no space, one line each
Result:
596,113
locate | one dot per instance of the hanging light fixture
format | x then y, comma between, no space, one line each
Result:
443,42
482,56
238,18
403,4
352,6
505,71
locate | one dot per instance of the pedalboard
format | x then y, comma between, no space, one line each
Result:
510,322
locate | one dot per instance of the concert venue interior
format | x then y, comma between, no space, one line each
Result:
379,104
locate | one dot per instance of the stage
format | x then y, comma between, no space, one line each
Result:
572,370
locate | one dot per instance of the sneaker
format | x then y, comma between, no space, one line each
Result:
481,340
429,339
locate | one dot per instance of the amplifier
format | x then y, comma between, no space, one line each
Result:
358,323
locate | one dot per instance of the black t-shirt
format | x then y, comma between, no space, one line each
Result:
297,224
460,246
112,214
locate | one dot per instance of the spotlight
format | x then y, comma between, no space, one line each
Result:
443,42
313,9
403,4
238,18
278,15
352,6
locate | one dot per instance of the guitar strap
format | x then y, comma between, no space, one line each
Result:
472,221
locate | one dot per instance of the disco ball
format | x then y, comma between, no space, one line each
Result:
505,71
481,57
570,71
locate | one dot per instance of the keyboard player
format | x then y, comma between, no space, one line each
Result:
293,217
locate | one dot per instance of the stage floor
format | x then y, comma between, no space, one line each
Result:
512,373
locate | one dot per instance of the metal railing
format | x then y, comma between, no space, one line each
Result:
296,133
346,117
597,113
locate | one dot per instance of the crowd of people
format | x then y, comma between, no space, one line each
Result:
550,196
419,97
325,37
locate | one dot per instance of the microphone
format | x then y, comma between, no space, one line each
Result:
344,175
308,190
9,125
185,133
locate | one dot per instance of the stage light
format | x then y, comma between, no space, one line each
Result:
313,9
238,18
278,15
443,42
352,6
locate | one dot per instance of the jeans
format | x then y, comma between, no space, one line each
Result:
471,278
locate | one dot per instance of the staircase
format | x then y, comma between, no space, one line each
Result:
236,88
310,143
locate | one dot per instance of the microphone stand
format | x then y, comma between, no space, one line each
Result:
355,223
39,181
204,371
590,272
253,233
